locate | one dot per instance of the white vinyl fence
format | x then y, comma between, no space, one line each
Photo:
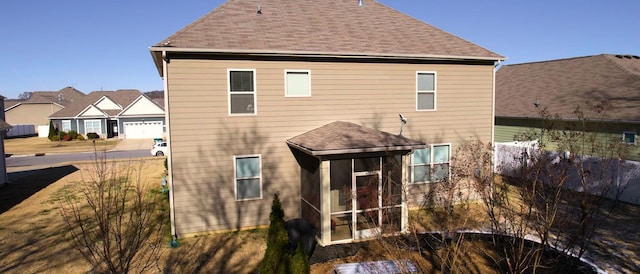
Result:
621,178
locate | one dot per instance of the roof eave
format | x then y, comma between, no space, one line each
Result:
156,53
319,153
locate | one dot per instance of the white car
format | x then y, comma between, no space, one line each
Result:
159,149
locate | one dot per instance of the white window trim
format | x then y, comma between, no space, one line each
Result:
286,91
431,164
235,178
630,132
62,125
255,93
99,123
435,89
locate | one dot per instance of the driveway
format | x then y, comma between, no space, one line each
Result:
133,144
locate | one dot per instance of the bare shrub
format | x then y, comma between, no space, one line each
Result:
114,220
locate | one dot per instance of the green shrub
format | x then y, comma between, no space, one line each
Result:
277,257
80,137
93,135
73,134
54,138
300,261
52,132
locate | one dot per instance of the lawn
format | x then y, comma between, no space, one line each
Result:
33,145
33,235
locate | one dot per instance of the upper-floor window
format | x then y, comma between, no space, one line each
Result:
430,164
248,177
297,83
425,90
242,91
629,137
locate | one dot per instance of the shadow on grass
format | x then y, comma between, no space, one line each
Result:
23,184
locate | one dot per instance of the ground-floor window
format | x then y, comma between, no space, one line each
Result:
92,126
66,125
430,164
248,177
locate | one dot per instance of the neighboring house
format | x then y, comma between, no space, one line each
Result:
559,86
126,114
3,127
303,98
35,110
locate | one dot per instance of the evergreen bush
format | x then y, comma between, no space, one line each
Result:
277,257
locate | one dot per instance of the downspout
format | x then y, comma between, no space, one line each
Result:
172,211
493,114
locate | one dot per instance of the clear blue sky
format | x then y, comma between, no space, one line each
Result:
46,45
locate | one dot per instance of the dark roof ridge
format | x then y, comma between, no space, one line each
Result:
554,60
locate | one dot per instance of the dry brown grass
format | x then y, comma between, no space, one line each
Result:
32,230
33,145
32,235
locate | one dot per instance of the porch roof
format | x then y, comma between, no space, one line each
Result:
344,138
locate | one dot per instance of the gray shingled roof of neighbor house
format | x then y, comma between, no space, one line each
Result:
562,85
328,27
121,97
344,137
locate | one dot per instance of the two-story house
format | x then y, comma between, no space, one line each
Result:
304,98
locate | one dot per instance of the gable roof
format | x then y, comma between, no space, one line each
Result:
123,97
344,137
62,97
562,85
325,28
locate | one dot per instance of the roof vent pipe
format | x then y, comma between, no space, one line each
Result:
360,3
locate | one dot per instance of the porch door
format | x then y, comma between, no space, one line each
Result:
367,203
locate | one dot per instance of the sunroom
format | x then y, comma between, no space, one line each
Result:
352,180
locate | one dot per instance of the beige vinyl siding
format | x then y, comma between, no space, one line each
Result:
31,114
204,138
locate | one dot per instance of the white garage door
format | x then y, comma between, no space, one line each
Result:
142,130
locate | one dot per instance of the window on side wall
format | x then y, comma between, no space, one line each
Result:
248,177
426,91
92,126
242,92
629,137
297,83
66,125
430,164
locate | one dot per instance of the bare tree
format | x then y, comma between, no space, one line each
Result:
114,220
25,95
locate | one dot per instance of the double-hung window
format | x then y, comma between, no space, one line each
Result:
629,137
66,125
425,90
92,126
242,91
248,177
297,83
430,164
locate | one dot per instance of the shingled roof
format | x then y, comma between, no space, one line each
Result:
562,85
122,97
63,97
328,27
344,137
